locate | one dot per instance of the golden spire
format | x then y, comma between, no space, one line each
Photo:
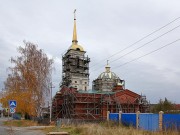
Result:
75,45
74,40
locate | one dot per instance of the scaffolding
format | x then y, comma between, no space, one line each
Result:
94,105
84,105
107,84
74,64
73,104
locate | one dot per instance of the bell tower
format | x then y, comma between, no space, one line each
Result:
75,65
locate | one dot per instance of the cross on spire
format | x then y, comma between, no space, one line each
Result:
107,67
107,62
74,14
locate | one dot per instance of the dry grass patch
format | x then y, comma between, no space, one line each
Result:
20,123
105,129
73,130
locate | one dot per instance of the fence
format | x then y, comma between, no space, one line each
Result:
128,119
171,121
147,121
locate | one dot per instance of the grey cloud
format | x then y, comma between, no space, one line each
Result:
104,28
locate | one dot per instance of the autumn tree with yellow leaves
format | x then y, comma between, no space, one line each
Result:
29,80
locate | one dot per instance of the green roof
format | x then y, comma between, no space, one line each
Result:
96,92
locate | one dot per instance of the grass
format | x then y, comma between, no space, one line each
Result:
73,130
106,129
20,123
90,129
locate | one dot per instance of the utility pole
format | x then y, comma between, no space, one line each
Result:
50,115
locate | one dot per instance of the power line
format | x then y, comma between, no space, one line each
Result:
138,41
144,44
148,53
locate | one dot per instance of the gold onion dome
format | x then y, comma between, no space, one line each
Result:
75,45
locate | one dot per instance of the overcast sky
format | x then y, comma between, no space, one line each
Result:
104,28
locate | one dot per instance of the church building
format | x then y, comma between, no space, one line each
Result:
75,100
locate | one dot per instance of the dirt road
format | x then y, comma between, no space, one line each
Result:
6,130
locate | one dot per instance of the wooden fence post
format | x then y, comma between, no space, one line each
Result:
161,120
137,119
108,112
120,114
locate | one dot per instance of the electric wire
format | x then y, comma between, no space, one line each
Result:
138,41
142,45
147,53
146,43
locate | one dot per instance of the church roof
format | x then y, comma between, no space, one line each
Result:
108,74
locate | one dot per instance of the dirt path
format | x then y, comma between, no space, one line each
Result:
6,130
